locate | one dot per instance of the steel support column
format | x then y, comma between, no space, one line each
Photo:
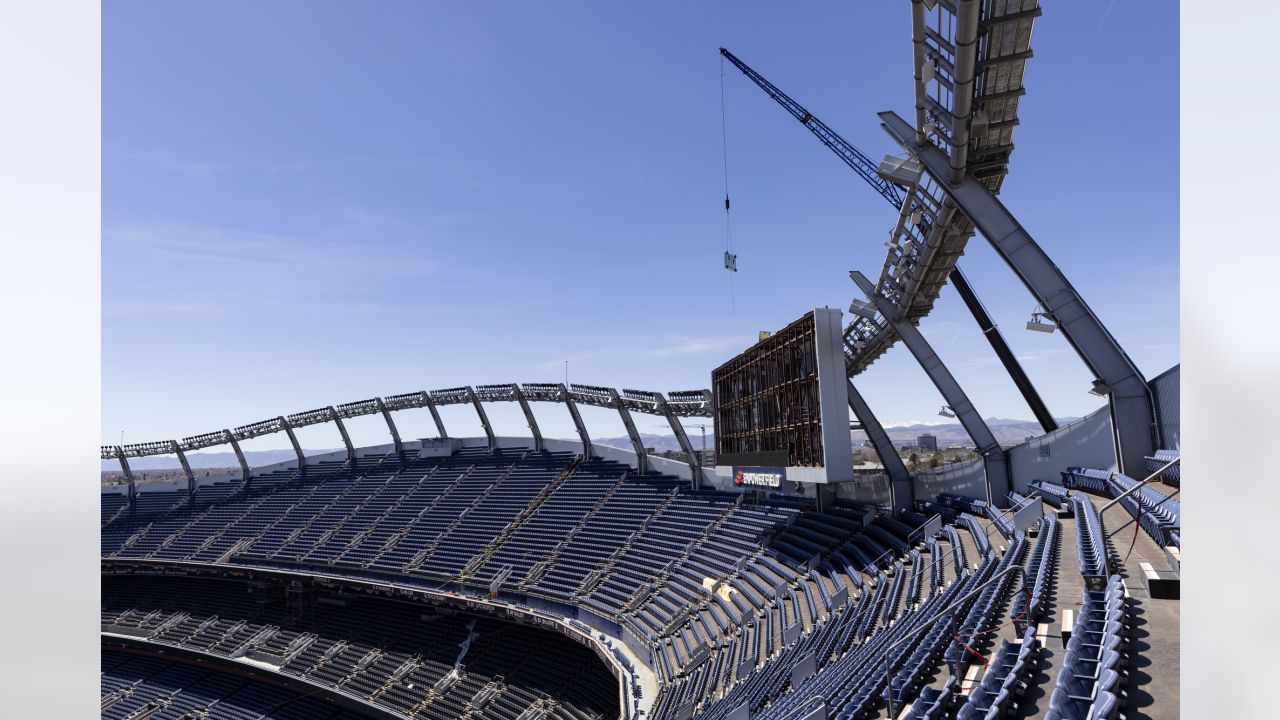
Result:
695,462
1001,348
342,430
642,458
435,415
528,416
484,418
966,55
997,470
391,427
186,467
577,422
901,492
1133,417
918,49
297,448
128,474
244,466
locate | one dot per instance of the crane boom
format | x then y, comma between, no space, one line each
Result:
862,165
851,155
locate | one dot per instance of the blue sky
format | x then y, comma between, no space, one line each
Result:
305,204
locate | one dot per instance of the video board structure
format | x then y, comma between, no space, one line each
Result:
781,407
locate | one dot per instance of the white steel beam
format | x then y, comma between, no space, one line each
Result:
186,467
342,430
642,459
997,471
391,427
901,493
577,421
484,418
1133,415
528,416
244,466
128,474
695,462
297,449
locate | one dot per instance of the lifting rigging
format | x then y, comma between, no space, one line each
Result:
730,258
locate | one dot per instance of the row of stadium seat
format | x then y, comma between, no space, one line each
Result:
1006,680
1052,493
1171,475
1091,677
727,595
854,624
1157,513
970,505
136,686
381,652
1029,607
455,519
1091,546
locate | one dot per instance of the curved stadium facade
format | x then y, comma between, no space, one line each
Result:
521,578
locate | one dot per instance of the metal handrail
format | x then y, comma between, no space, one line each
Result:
1166,499
1147,481
1106,556
804,710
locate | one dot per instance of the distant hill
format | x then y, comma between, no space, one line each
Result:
1007,431
203,460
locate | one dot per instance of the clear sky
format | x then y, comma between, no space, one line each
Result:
309,203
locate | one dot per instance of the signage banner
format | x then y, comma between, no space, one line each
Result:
765,477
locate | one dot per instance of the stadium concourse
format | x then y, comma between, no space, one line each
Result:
507,582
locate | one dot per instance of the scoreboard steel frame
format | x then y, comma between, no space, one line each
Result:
782,408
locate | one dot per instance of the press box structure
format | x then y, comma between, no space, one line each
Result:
782,409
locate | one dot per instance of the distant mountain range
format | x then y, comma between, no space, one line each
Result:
203,460
1007,432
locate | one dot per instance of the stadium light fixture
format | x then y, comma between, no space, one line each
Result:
927,71
947,411
979,123
1100,389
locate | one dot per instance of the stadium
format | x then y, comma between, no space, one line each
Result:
517,576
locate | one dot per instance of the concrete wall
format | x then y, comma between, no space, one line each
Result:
872,489
967,478
1167,389
1087,442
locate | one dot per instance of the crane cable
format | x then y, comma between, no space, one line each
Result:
728,226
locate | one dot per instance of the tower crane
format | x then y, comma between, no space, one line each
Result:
891,192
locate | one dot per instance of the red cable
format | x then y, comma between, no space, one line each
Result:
956,636
977,654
